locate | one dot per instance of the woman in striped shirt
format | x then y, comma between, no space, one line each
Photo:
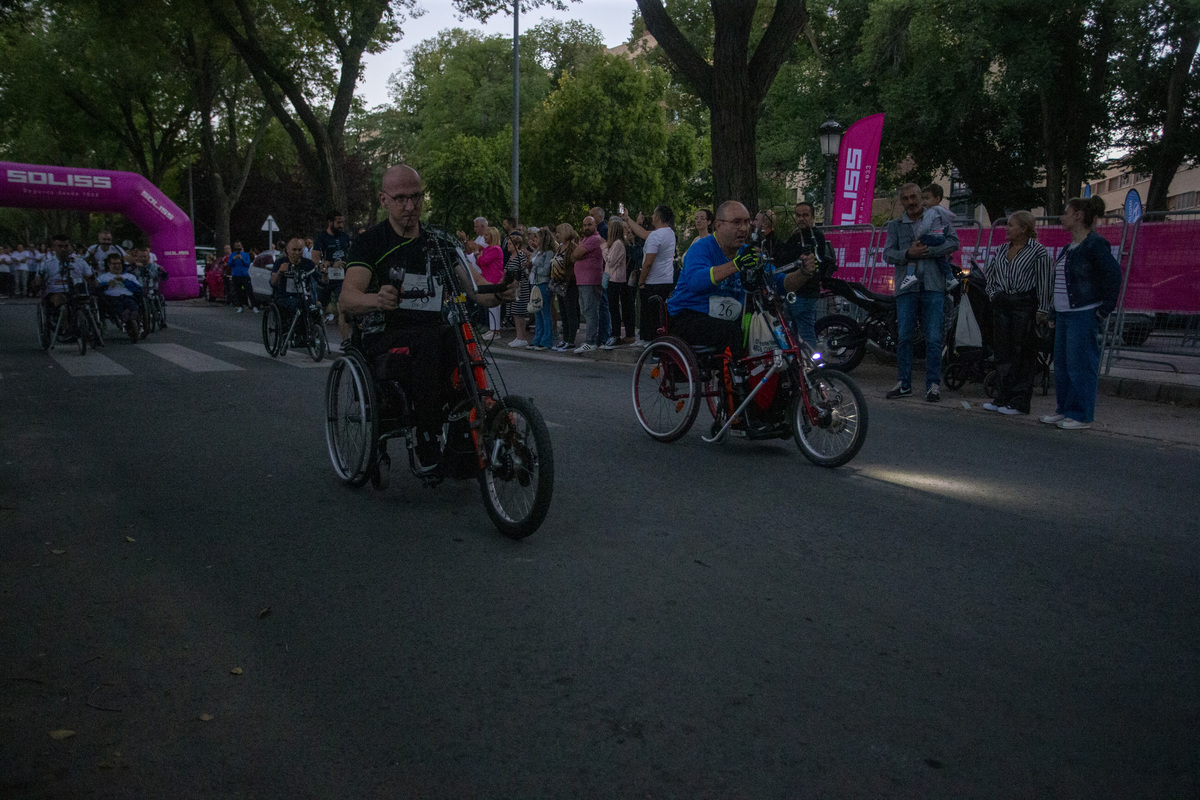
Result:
1020,284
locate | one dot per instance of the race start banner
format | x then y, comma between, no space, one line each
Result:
854,189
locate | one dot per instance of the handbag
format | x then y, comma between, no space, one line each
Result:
535,299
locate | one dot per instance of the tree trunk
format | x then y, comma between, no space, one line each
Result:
1054,198
1173,146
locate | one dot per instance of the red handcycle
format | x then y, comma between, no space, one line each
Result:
778,391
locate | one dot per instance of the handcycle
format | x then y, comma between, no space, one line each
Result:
502,441
306,328
136,328
78,318
153,303
781,391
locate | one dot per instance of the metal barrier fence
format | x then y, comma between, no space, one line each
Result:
857,250
1158,315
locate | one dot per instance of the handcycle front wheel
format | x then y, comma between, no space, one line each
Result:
272,330
666,388
839,429
317,341
519,480
351,419
45,334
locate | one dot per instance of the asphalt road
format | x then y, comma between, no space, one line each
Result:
974,607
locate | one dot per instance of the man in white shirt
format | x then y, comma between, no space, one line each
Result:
658,271
97,254
6,281
22,263
55,270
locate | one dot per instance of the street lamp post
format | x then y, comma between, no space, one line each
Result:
831,143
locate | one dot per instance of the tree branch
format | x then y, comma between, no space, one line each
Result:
694,69
789,19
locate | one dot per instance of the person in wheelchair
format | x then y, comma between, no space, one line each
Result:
120,300
706,308
413,328
289,268
57,271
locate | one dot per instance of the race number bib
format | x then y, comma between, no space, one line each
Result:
726,308
336,274
421,283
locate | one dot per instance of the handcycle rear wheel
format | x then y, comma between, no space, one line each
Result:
666,388
519,480
840,429
272,330
351,420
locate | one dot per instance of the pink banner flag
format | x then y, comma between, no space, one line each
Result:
854,188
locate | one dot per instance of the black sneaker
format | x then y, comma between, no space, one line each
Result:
932,394
898,391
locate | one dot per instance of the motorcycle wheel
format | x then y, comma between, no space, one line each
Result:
841,342
840,427
519,479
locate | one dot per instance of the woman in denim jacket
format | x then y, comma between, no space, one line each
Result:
1087,281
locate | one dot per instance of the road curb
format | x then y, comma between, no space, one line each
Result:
1151,391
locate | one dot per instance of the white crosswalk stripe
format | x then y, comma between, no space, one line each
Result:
92,365
295,358
188,358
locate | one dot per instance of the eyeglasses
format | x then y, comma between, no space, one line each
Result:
740,222
404,199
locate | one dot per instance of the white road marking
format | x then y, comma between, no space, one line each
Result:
187,358
92,365
294,357
171,326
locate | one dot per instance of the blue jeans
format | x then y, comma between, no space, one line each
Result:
543,321
1076,363
931,307
605,317
589,305
804,315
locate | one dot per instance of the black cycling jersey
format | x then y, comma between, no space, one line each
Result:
333,246
424,261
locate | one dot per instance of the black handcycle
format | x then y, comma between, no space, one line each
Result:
305,328
77,319
499,440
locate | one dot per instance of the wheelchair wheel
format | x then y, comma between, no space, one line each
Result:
45,334
318,344
149,318
840,427
666,388
92,318
272,330
351,419
519,480
160,312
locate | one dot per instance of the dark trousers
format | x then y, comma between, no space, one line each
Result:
620,308
653,311
242,293
432,356
1015,341
701,330
568,307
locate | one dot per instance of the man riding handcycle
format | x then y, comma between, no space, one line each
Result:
729,344
415,370
67,310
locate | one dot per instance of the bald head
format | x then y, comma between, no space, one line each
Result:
400,175
402,195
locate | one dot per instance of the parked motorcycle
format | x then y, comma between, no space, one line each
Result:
842,339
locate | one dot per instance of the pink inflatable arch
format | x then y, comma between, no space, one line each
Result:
170,231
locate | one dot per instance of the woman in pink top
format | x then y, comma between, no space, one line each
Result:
491,265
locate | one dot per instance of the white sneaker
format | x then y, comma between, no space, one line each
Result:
239,310
519,343
610,344
487,337
1008,411
990,407
329,317
1051,419
1069,424
638,343
586,347
906,284
255,309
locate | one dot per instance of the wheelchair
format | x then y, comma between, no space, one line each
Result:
502,443
139,325
76,320
281,328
